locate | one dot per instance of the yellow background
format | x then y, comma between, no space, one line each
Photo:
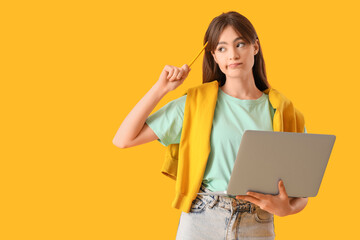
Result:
72,70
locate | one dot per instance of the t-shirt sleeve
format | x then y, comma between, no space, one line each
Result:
167,121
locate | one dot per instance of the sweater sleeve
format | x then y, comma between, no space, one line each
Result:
167,121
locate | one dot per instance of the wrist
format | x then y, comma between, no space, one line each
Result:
297,204
160,90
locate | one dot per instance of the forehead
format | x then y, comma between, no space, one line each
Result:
229,35
229,31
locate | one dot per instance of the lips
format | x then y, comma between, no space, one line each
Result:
234,65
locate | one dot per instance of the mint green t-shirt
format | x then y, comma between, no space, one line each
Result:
232,117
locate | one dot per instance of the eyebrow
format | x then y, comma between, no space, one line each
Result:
233,41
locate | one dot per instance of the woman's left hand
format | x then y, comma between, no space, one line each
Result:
278,204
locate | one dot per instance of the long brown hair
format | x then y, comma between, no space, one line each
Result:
243,26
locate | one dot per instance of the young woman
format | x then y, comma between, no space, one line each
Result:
234,59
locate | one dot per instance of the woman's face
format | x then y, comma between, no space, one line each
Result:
233,49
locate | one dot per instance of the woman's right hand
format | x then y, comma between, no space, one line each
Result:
171,77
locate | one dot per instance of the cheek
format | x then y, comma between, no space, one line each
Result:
223,67
222,63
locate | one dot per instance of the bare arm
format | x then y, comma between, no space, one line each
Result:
133,130
298,204
135,120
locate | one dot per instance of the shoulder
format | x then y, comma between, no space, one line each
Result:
203,90
277,98
202,95
177,102
180,99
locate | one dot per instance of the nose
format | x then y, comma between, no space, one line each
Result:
233,54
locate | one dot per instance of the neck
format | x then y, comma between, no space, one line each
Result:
242,88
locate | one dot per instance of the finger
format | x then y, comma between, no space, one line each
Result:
170,71
282,190
172,74
250,199
176,71
257,195
181,73
185,67
185,74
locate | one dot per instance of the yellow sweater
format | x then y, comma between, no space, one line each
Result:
186,162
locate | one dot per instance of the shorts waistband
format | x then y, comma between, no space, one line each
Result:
226,202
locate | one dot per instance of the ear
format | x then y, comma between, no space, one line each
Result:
214,56
256,47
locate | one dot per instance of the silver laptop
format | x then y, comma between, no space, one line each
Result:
265,157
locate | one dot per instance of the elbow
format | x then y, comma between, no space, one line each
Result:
118,144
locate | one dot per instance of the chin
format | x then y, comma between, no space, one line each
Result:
234,75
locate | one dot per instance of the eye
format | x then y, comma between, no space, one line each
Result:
219,49
241,43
